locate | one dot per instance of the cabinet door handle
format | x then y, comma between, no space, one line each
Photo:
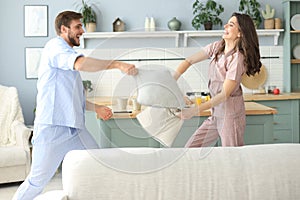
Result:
275,123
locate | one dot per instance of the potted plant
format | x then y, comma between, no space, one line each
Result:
268,15
89,17
206,14
251,8
87,85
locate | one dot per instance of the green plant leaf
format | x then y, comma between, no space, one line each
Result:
208,12
87,85
87,13
252,8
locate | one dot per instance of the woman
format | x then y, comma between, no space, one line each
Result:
237,53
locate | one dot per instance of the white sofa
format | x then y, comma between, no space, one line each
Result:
15,157
15,160
257,172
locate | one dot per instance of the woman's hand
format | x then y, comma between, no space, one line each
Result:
188,101
103,112
188,113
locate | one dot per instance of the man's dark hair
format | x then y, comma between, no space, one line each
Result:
65,18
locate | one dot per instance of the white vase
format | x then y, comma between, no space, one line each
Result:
174,24
152,24
147,24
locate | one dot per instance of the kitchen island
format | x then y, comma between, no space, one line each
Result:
124,130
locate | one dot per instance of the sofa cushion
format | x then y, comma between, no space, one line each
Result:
11,111
12,156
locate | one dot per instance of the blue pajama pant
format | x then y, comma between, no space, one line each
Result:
50,145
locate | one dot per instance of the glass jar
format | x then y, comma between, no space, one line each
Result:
198,98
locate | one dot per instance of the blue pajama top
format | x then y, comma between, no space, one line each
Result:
60,98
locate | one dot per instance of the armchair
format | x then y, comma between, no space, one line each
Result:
14,138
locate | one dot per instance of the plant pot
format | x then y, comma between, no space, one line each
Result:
208,25
269,23
90,27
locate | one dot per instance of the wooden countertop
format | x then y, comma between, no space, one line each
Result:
252,108
267,97
247,97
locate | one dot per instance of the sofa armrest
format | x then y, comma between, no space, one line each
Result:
52,195
22,134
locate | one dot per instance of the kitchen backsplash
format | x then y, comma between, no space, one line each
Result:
115,83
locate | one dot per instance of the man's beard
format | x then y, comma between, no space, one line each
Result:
72,40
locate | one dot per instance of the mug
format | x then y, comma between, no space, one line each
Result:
135,105
122,103
278,23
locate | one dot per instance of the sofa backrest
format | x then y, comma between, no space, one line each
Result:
250,172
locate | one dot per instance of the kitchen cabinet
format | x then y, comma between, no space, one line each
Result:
286,121
187,130
259,129
127,132
290,40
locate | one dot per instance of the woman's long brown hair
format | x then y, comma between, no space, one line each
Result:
248,44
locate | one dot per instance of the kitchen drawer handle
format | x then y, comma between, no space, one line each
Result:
275,123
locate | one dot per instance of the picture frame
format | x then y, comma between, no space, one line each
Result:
32,61
35,20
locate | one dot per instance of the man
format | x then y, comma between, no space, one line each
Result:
60,123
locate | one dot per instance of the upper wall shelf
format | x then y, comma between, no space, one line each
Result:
275,33
295,31
214,33
132,35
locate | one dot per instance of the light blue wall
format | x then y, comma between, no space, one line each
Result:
132,12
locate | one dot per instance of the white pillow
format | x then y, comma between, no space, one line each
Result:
157,88
161,124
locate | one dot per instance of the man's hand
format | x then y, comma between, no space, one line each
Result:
103,112
129,69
